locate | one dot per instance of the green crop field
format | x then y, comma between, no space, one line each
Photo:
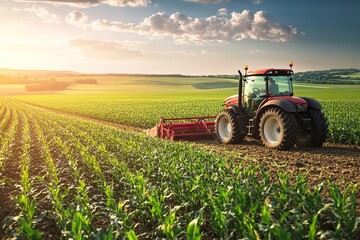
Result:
67,177
64,177
341,103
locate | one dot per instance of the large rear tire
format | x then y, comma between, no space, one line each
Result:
227,127
277,129
316,136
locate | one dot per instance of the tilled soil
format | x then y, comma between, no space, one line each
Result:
338,164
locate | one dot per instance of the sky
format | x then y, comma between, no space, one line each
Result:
193,37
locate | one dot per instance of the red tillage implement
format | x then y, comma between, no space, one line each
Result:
177,127
269,111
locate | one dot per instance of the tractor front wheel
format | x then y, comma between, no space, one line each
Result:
227,127
277,129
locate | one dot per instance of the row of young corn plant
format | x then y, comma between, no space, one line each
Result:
22,194
4,115
134,180
80,225
6,136
341,114
8,127
344,121
85,215
134,106
138,158
72,213
233,193
26,200
3,140
117,215
86,147
80,209
135,148
157,189
56,190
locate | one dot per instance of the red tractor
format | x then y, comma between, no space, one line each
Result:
266,109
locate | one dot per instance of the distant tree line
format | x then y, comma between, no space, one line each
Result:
48,86
53,85
334,76
85,81
147,75
223,76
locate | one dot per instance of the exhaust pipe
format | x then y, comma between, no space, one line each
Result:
242,120
240,105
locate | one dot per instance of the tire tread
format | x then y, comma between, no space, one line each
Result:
236,137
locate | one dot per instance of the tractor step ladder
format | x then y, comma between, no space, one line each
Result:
250,127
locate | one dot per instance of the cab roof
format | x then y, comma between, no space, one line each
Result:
270,71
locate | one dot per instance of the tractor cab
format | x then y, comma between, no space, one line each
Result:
262,84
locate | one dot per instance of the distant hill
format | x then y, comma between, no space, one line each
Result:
332,76
21,76
20,73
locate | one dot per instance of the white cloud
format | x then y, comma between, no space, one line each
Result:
112,25
40,12
107,50
89,3
205,1
238,26
204,52
222,12
218,1
123,3
77,18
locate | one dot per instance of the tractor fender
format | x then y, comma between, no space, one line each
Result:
312,103
234,107
286,105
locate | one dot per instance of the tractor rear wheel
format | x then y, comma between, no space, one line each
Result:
277,129
316,136
227,127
